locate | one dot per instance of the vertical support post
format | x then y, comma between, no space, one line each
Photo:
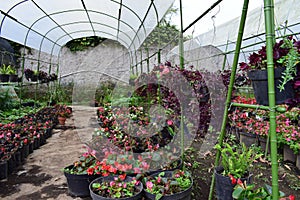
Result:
230,88
270,35
141,61
181,48
148,62
159,56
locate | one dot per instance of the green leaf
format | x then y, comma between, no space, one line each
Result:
96,185
237,192
158,196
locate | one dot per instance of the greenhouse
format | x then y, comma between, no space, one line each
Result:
150,99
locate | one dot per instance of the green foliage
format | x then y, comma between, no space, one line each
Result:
7,101
17,112
236,159
81,44
56,93
290,62
7,69
242,191
165,33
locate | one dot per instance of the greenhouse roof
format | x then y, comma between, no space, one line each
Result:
48,25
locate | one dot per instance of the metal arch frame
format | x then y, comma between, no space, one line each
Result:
70,33
87,11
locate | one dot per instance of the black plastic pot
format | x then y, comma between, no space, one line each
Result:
248,138
13,78
259,79
78,184
179,165
184,195
224,186
4,77
95,196
11,164
3,169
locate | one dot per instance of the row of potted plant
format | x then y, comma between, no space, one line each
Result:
256,122
35,75
19,138
113,180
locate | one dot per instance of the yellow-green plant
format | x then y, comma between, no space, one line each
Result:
236,159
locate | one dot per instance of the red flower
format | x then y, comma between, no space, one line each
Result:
233,180
292,197
90,171
122,177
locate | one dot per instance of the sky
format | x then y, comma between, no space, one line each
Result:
225,11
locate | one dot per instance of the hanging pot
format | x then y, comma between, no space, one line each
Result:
259,79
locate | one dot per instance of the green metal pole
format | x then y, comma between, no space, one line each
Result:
148,62
159,57
181,48
141,61
270,34
230,88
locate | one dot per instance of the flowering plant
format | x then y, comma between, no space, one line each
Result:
86,164
242,191
118,187
166,183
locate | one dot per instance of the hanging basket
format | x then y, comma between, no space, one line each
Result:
259,79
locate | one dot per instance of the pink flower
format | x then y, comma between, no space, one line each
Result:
149,185
170,122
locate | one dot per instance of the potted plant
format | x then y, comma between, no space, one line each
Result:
35,76
244,191
28,74
4,73
235,164
168,185
63,114
116,187
81,173
286,58
62,117
13,77
132,78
